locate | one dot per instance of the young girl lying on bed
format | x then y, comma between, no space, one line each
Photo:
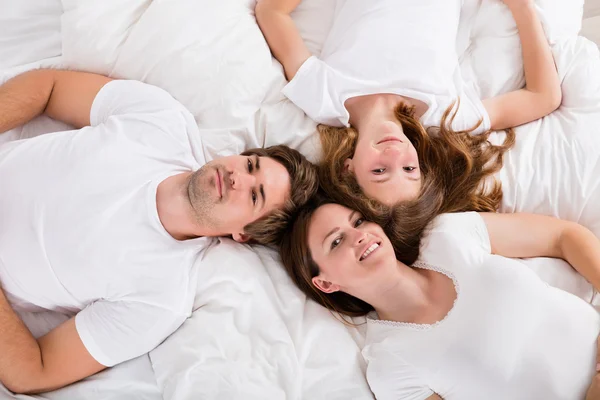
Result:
463,321
387,55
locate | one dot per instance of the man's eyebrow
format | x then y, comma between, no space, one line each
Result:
262,195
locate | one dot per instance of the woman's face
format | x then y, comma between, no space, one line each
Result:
385,163
352,254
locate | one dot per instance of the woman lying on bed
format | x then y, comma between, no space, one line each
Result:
388,55
455,318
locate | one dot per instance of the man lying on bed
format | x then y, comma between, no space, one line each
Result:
108,221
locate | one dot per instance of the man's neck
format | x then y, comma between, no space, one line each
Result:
174,208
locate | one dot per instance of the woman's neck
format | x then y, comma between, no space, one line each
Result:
379,106
406,299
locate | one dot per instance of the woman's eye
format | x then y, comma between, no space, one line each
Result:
336,242
359,222
409,169
254,197
250,167
378,171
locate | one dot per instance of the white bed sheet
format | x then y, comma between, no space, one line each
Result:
253,334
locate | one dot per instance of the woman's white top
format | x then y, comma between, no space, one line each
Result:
403,47
509,335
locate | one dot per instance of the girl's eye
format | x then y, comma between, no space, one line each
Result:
378,171
359,222
409,169
336,242
250,167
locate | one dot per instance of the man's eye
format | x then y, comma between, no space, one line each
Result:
254,197
409,169
336,242
250,167
378,171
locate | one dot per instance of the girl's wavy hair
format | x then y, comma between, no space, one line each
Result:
453,163
455,166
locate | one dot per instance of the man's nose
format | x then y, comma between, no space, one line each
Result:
242,181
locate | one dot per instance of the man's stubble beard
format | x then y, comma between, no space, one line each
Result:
199,192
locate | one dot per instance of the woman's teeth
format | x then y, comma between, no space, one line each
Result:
369,251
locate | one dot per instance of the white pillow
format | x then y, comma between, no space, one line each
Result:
210,55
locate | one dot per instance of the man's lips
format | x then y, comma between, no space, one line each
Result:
219,184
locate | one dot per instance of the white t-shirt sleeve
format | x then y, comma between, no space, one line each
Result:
114,332
456,239
124,97
314,90
147,115
390,378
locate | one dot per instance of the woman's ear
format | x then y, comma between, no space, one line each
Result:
324,286
348,166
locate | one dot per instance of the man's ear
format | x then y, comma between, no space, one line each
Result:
240,237
348,166
324,286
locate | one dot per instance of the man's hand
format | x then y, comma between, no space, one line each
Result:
66,96
593,392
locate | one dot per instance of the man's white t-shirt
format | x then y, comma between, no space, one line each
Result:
509,335
79,227
403,47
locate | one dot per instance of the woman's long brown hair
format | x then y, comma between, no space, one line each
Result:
404,224
454,163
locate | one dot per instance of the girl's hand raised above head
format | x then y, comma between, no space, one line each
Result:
278,28
513,4
542,92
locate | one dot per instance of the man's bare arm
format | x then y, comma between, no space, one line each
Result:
66,96
55,360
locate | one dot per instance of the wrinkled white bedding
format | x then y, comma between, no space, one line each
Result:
253,335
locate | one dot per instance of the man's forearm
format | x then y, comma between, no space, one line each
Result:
20,355
24,97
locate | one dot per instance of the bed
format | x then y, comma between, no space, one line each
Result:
252,334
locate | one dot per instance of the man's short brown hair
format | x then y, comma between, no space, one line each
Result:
304,184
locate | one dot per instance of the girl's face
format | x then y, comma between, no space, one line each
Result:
353,255
385,163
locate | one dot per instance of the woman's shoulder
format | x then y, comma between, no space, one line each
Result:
453,237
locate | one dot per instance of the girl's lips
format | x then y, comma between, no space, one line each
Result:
389,139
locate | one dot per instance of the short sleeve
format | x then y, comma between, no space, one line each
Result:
467,227
391,378
470,111
123,97
114,332
315,90
149,116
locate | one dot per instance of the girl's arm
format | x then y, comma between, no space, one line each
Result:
531,235
542,93
273,17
